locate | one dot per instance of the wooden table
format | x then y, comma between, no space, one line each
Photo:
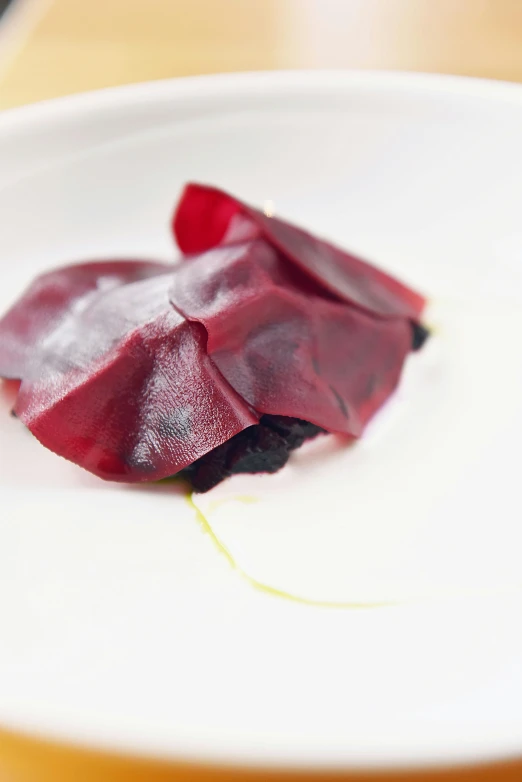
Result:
56,47
62,46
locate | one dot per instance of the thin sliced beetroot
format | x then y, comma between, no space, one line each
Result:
51,297
122,384
206,217
288,351
135,370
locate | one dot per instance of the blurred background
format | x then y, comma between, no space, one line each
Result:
57,47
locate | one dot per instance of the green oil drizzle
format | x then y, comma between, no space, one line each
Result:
258,585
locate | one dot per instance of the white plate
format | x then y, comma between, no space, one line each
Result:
121,624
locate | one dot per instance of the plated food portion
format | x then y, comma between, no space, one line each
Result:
261,337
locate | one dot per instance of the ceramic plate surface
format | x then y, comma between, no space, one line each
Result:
122,623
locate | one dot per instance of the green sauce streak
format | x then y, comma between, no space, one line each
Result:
269,590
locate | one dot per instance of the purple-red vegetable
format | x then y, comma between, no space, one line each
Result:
136,370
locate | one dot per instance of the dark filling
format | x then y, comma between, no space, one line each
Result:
420,335
265,447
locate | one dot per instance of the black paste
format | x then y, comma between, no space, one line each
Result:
264,447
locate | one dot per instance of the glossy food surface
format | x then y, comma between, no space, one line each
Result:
135,370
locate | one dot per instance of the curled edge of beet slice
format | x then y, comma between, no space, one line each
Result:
137,370
207,217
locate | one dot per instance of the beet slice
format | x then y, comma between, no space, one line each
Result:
122,384
52,296
285,349
206,217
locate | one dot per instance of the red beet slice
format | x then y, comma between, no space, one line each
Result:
285,349
122,384
206,217
54,295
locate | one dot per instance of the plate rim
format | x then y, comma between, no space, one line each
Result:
114,98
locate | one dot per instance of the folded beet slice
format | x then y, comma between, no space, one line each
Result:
122,383
288,350
206,217
54,295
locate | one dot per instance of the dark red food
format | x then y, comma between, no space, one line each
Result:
284,347
207,217
137,370
51,298
120,382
